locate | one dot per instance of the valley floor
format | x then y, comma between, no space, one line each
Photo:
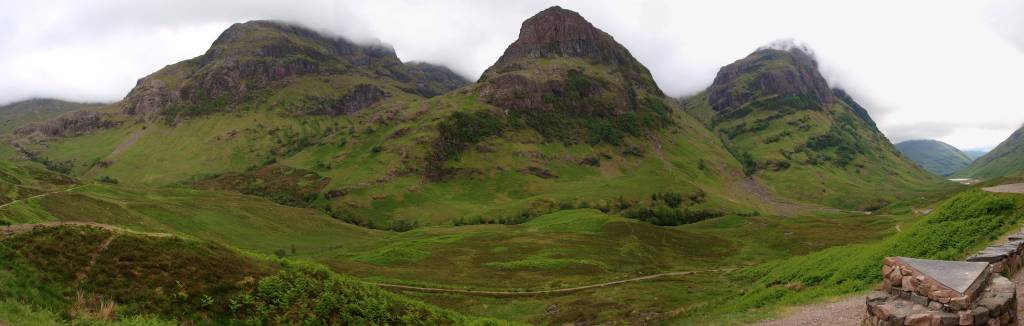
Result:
570,266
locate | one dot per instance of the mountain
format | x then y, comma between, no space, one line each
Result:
18,114
974,154
1006,159
255,62
565,118
779,117
213,192
935,156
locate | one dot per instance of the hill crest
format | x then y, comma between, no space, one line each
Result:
935,156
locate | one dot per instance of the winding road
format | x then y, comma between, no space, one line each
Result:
539,292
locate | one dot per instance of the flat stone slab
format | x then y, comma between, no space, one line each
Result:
957,275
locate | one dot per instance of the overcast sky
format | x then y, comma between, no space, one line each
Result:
947,70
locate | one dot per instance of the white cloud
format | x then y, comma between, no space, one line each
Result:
950,70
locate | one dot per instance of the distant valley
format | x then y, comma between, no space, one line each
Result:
288,176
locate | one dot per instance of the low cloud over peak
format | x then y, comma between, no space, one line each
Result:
895,58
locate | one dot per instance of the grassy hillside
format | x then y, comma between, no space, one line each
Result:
958,227
568,248
18,114
601,135
245,222
803,140
21,181
1005,160
935,156
86,273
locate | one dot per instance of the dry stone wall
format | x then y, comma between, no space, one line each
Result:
974,292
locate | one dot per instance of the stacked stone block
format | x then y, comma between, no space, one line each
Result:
931,292
1004,258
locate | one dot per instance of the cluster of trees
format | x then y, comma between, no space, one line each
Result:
510,220
843,139
456,133
63,167
668,208
348,217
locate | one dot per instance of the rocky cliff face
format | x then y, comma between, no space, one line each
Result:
67,125
769,72
563,63
360,97
253,56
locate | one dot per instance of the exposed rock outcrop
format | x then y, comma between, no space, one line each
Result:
248,57
149,95
360,97
67,125
562,62
769,72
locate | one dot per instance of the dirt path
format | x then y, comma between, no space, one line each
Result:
126,144
1017,188
849,311
42,195
84,272
21,228
538,292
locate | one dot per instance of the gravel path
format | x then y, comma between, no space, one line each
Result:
849,311
536,292
1012,188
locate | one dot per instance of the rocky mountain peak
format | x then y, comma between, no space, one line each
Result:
561,62
257,55
279,39
561,33
769,71
557,32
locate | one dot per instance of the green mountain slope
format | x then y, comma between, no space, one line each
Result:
794,134
19,114
551,125
565,118
935,156
1007,159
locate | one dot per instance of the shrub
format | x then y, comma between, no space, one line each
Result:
315,296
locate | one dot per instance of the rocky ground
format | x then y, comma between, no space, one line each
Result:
848,311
